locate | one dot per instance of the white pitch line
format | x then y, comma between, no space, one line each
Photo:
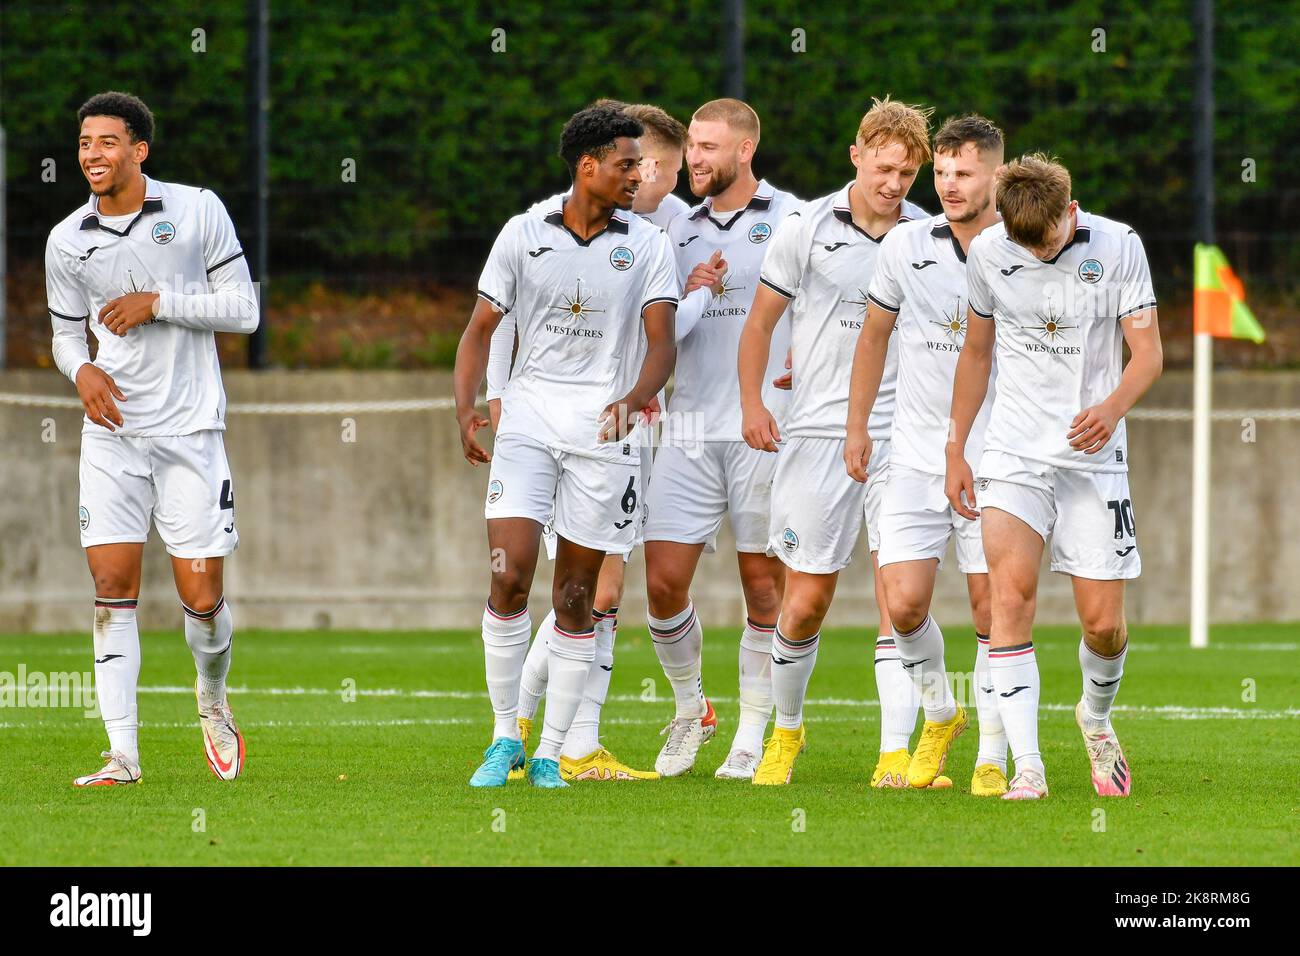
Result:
1169,711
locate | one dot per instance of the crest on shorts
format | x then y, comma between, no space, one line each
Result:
495,490
759,232
1090,270
163,233
83,514
621,258
789,541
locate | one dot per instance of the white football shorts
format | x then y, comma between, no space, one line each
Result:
180,482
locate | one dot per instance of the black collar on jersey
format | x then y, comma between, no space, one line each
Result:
944,231
756,201
615,224
1081,234
846,216
151,204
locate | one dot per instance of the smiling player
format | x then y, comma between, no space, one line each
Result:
154,268
593,291
1056,292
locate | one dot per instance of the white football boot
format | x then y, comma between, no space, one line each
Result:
118,770
223,744
686,735
739,765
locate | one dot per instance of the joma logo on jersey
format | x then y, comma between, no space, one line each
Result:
163,233
759,232
621,258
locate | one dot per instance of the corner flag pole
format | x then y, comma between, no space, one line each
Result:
1203,342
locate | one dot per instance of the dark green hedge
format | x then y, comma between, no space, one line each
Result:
450,138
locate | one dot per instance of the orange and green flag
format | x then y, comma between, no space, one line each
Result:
1219,307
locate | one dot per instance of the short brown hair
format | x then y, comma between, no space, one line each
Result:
1033,194
957,131
889,121
660,128
737,114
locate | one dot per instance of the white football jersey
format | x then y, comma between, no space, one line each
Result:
921,277
705,403
181,244
577,307
1059,339
503,339
670,207
824,262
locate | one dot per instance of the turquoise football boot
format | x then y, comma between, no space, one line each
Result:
499,759
545,774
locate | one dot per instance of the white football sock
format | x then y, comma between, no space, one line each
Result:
899,701
572,654
792,666
505,644
755,687
679,644
532,683
922,653
210,635
584,733
117,672
993,739
1015,679
1101,676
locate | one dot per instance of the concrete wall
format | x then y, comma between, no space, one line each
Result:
387,531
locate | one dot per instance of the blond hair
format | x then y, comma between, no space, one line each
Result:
739,115
889,121
661,129
1033,194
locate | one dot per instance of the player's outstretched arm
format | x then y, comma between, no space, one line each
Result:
661,355
1093,427
969,386
471,365
758,426
864,383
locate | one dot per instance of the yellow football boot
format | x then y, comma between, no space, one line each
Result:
932,749
891,772
988,781
779,754
601,765
525,728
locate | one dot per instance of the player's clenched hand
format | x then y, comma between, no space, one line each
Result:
707,273
957,482
786,381
124,313
97,391
857,452
1092,428
470,422
651,414
759,428
618,418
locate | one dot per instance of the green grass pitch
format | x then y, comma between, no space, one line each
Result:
382,779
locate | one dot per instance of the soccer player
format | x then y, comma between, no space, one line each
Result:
1055,292
822,259
584,758
704,471
919,288
593,291
154,268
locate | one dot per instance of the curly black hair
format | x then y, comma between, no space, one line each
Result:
592,131
129,109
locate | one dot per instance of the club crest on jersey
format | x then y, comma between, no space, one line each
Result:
495,490
1090,270
789,541
84,516
163,233
759,232
621,258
